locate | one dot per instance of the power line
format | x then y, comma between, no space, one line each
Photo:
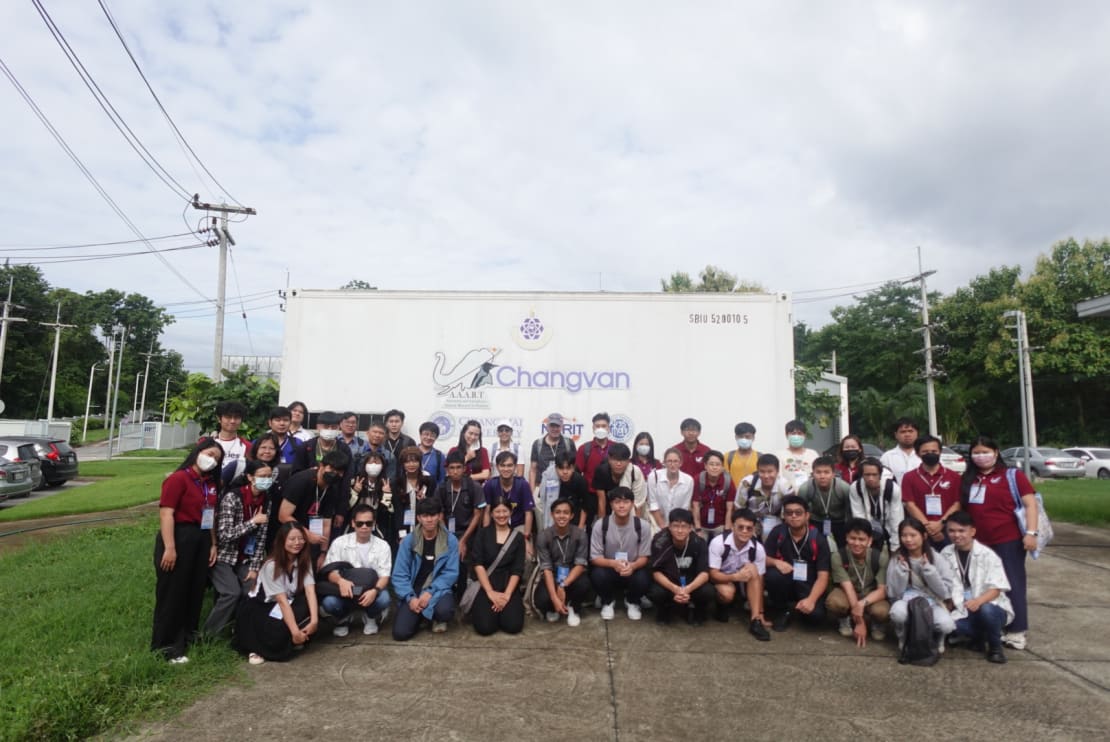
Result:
13,247
88,174
106,105
209,315
34,260
851,286
235,273
249,296
169,119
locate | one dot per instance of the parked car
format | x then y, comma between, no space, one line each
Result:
58,460
1096,460
952,459
962,449
24,453
1046,462
15,479
869,450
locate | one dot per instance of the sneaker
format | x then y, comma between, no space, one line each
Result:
178,660
572,617
940,644
845,627
439,627
256,659
782,623
646,603
634,613
552,616
955,640
369,627
607,612
1015,640
996,656
341,630
759,631
597,602
878,634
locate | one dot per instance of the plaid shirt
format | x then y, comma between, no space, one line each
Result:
231,526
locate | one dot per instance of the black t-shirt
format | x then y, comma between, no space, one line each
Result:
813,549
578,493
675,563
464,503
427,563
308,500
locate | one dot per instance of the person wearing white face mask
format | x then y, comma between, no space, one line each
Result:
742,462
591,453
796,461
328,438
240,537
184,548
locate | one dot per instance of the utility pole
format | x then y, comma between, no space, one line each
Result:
88,402
115,394
57,325
930,372
165,400
1025,382
146,378
108,421
220,227
135,398
5,320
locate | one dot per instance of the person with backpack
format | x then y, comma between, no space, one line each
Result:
876,497
764,493
620,546
617,471
546,449
798,565
742,462
714,491
668,488
915,571
563,551
859,593
573,487
680,570
982,607
827,496
737,564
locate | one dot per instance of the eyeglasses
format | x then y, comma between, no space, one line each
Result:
793,512
364,524
744,528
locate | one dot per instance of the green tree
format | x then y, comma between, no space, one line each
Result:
712,280
198,399
358,284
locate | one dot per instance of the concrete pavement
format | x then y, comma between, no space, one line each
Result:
621,680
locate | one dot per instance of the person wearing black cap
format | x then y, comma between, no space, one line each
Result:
620,545
680,569
327,440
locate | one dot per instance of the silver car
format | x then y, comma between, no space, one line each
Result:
952,460
1096,461
1046,462
15,480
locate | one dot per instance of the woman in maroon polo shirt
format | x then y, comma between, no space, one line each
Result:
184,548
477,457
985,494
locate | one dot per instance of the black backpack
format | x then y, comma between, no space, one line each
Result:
605,530
919,648
728,548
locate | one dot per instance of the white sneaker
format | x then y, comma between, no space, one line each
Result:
439,627
607,612
634,613
341,630
552,616
572,617
1015,640
369,627
256,659
182,659
845,627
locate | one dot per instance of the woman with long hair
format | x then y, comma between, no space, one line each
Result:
280,614
184,548
409,486
643,454
498,605
915,571
849,456
989,493
267,450
476,457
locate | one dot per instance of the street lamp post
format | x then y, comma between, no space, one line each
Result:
88,403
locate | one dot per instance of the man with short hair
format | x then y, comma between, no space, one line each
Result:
505,442
742,462
396,441
425,573
827,495
573,487
431,458
229,416
931,492
462,504
981,606
328,438
737,565
902,458
514,489
591,453
693,450
859,576
292,450
796,461
680,568
375,441
312,497
798,565
348,433
358,550
545,450
763,493
620,546
617,471
563,550
876,497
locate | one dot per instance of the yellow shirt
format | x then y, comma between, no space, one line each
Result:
741,465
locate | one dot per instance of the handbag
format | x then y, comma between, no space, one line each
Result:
471,592
1045,533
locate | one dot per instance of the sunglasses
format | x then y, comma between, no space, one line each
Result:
364,524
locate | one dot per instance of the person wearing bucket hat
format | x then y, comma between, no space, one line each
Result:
505,442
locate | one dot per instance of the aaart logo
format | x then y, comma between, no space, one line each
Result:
471,372
531,334
445,421
621,429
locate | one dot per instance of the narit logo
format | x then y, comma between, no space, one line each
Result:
531,333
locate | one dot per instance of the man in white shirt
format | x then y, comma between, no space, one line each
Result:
982,607
371,560
737,563
902,458
796,461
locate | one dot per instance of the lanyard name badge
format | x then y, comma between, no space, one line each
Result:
932,505
978,493
451,522
316,523
826,524
801,567
207,513
562,571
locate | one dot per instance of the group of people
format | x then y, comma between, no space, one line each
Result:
297,525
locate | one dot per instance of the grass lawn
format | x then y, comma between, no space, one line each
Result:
1084,501
126,483
177,454
94,436
74,650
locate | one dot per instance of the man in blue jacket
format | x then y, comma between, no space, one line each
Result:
426,568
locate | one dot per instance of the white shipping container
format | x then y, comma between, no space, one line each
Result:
648,359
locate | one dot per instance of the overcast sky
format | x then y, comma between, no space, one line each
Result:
559,146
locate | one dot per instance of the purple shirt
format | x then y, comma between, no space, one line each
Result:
519,497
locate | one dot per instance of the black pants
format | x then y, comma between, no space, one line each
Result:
258,632
783,591
606,582
700,600
406,624
486,621
578,592
178,594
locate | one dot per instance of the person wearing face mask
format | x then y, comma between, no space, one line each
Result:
311,497
369,486
591,453
985,493
184,548
851,453
796,461
328,438
643,454
475,456
931,493
742,462
240,537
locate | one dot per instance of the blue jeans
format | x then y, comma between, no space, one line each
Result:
341,608
984,624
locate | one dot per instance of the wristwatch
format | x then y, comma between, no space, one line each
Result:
1031,533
